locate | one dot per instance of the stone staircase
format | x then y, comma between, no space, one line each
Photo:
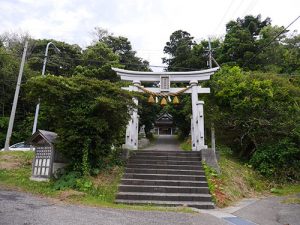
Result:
167,178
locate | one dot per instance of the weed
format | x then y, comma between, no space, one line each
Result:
237,180
186,145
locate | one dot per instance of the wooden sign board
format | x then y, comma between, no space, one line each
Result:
164,83
42,165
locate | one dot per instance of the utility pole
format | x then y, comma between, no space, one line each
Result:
15,102
209,54
213,138
210,57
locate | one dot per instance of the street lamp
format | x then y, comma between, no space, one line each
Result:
37,109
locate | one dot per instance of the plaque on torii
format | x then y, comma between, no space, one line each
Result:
165,79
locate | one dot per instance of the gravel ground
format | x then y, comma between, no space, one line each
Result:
24,209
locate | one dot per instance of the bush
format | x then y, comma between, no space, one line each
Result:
67,180
83,109
73,180
280,160
251,110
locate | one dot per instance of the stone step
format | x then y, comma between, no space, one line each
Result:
157,166
162,158
164,162
164,171
163,189
198,205
163,177
170,153
163,196
163,182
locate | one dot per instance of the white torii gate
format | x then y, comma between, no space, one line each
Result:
165,79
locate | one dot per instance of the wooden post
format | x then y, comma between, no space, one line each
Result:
213,139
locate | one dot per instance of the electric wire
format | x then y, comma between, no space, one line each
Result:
237,8
224,15
270,42
250,7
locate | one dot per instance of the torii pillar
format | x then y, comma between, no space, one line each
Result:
197,120
132,129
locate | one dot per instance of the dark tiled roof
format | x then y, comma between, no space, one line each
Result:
50,136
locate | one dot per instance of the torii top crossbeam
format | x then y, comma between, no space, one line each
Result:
173,76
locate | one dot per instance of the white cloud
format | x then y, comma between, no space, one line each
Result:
147,24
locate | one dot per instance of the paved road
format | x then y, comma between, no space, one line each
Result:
165,143
271,211
24,209
18,208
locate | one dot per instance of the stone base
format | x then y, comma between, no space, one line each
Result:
57,168
200,148
39,179
143,142
129,147
210,158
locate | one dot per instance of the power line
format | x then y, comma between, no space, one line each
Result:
270,42
237,8
126,64
250,6
224,15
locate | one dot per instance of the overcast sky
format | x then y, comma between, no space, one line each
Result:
147,23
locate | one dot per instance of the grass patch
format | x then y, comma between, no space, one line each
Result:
98,202
237,181
101,194
15,171
286,189
291,200
186,145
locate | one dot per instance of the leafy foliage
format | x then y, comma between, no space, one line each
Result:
121,46
83,108
73,180
97,62
254,108
251,110
179,48
58,63
240,40
278,160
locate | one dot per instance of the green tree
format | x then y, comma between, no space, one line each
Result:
58,63
9,69
122,47
258,115
292,55
14,42
97,61
84,109
179,50
254,108
240,43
